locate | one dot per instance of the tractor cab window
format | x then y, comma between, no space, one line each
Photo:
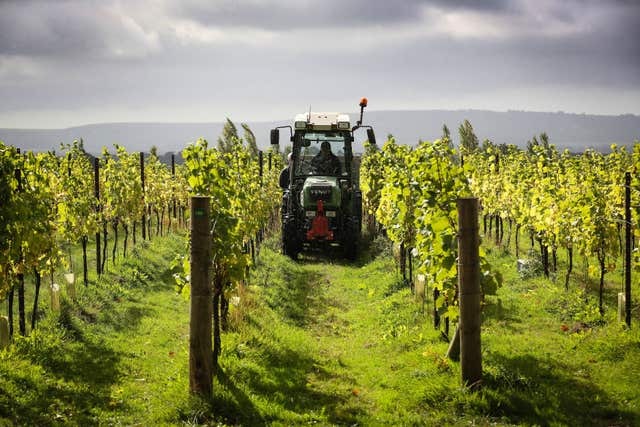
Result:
321,154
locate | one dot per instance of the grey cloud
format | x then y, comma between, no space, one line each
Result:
488,5
68,28
284,15
287,15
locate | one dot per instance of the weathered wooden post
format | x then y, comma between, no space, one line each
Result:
144,219
270,155
173,176
200,356
627,253
96,192
469,288
436,315
4,332
20,276
260,162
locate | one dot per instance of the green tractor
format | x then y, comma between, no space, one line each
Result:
321,202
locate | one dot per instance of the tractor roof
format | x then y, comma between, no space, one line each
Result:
322,121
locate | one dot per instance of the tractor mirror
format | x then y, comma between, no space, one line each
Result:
371,136
275,136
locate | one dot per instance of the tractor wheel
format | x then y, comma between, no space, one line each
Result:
290,248
350,243
290,244
350,250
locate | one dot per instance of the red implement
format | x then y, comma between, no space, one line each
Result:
320,225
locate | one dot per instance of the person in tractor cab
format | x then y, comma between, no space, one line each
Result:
325,162
285,175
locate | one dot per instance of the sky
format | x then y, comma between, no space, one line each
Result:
66,63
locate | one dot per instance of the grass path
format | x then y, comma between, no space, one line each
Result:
336,343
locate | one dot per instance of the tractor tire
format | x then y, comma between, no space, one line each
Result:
350,242
350,250
290,245
290,248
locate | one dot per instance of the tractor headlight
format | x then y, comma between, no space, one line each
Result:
311,214
343,125
300,125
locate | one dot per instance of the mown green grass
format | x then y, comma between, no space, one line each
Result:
551,360
115,356
322,342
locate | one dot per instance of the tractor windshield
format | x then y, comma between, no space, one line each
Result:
321,154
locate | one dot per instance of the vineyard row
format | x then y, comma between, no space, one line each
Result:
560,199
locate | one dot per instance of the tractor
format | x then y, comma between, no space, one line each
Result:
322,201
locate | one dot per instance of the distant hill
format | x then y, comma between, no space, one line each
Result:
573,131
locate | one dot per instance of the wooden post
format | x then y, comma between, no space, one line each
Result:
55,297
420,287
436,315
200,356
260,163
144,219
453,352
20,276
470,294
621,307
34,313
410,257
627,252
4,332
173,175
12,286
70,278
96,191
270,155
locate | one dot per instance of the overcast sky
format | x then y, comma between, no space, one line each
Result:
66,63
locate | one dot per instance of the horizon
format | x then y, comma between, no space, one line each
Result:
249,121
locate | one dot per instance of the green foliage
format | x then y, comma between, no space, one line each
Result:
240,203
371,179
121,185
47,200
229,134
575,306
468,139
28,212
182,273
571,201
414,193
635,195
78,215
250,140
